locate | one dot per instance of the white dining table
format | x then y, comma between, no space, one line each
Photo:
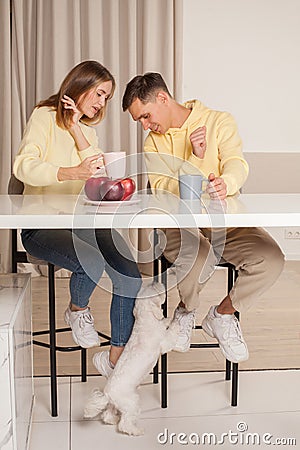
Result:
160,210
163,210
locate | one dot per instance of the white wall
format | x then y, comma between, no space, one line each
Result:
243,56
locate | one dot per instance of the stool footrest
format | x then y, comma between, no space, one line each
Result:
204,345
58,348
67,348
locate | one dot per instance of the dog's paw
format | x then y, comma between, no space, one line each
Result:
131,430
110,416
128,425
138,432
90,412
175,326
95,404
174,330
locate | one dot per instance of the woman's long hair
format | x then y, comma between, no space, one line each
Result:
80,80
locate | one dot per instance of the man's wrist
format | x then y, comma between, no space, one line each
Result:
199,152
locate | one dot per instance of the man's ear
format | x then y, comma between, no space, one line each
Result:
162,97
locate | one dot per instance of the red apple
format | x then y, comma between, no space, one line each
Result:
92,187
111,190
129,188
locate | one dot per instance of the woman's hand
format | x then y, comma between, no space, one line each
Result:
69,103
85,170
89,166
74,129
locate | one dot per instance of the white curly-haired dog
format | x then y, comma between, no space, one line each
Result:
151,336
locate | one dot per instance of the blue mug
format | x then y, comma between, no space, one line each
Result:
191,186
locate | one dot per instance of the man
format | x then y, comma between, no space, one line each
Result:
192,135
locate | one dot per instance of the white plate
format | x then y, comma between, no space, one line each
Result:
132,201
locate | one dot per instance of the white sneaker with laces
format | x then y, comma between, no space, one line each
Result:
226,329
102,363
82,325
186,320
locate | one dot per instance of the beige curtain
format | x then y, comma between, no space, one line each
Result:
6,117
41,40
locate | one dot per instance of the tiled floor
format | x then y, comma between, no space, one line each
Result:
269,409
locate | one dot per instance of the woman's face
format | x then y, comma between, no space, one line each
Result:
95,99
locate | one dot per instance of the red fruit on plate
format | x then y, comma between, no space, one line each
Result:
111,190
129,188
92,187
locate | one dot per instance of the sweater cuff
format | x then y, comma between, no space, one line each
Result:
48,175
231,184
90,151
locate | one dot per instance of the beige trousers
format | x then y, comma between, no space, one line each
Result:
195,252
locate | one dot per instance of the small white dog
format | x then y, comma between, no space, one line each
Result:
151,336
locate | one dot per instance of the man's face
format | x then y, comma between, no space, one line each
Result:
153,116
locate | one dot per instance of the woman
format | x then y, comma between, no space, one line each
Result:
58,152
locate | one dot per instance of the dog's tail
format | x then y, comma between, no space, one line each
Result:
95,404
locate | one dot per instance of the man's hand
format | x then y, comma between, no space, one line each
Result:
198,141
216,187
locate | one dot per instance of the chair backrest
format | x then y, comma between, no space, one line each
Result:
15,186
148,188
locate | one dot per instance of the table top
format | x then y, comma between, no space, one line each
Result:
149,211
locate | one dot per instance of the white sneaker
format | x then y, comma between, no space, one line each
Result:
226,329
186,320
82,324
102,363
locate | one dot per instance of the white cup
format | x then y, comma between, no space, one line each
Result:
115,164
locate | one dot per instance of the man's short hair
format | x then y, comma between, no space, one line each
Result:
144,87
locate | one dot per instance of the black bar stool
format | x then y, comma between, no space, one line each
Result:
160,267
16,187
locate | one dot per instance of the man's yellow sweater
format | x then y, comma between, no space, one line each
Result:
45,148
167,155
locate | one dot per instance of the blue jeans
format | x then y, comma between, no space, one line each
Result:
87,253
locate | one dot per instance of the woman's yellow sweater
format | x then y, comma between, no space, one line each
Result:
45,148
